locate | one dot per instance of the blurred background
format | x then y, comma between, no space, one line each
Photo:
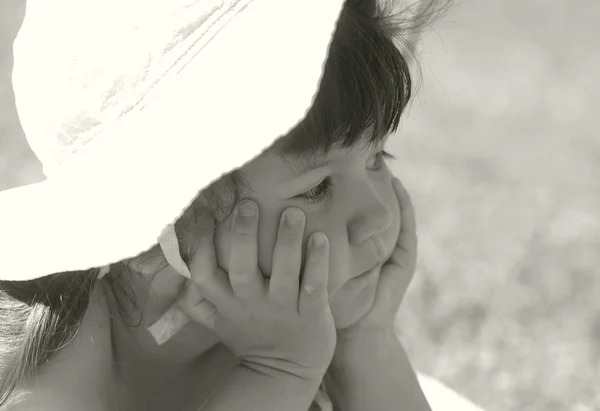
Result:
500,153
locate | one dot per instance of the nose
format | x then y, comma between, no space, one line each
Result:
369,222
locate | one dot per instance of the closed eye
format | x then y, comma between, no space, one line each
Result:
325,187
317,193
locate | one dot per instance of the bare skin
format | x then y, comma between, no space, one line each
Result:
359,218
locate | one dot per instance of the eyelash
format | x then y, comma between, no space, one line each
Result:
323,189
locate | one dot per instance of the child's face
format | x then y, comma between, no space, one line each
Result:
358,209
355,207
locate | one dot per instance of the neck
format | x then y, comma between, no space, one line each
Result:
179,374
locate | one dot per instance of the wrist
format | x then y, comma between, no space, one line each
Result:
284,370
364,347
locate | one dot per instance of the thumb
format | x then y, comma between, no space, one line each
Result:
391,288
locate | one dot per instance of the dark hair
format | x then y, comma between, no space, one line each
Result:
366,86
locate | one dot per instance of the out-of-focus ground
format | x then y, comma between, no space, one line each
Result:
501,154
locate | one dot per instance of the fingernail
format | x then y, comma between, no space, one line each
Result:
293,215
318,240
247,209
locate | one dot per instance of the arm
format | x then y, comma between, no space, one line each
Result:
370,369
280,327
252,387
374,373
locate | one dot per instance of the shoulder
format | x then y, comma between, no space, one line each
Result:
28,400
78,377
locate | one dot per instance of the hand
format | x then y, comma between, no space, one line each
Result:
269,323
396,275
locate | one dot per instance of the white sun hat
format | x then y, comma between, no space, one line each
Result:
133,106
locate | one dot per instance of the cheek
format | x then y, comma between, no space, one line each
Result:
388,197
390,236
331,223
340,270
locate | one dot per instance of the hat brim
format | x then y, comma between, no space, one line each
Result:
252,83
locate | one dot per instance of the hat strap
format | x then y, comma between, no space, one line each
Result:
174,319
170,247
103,271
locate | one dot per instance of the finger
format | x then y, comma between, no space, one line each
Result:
391,288
204,271
246,279
405,252
198,308
287,257
313,294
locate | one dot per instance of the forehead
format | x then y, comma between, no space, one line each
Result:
302,162
313,158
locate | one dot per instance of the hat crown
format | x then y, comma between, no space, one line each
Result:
80,65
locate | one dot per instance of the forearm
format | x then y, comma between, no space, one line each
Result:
375,373
252,388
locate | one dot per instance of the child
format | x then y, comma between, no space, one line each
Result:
121,119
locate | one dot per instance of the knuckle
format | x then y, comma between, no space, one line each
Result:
288,241
314,290
284,287
240,275
202,281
